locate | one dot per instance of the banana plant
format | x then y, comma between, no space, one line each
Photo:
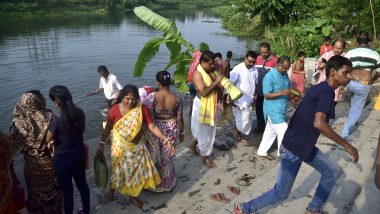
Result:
173,40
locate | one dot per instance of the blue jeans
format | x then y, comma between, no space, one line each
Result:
289,167
359,93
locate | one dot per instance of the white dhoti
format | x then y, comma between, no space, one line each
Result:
270,133
203,133
243,118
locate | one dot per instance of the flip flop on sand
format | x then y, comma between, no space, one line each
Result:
269,157
234,190
241,181
237,209
219,197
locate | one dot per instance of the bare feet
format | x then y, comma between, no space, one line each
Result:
139,204
110,195
193,147
208,162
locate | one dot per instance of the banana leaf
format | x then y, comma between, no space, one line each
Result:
154,20
149,50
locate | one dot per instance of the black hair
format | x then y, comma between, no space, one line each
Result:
62,96
218,54
301,54
336,62
363,38
206,56
327,38
229,54
163,77
102,68
265,45
252,54
283,59
340,40
127,90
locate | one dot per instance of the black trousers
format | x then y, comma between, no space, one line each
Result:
260,113
66,170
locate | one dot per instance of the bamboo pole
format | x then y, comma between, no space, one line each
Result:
373,21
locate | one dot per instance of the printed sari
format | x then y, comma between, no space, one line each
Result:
166,121
132,167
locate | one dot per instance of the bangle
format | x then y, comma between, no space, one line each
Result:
182,132
101,142
166,141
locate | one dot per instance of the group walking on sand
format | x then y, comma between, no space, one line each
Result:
146,125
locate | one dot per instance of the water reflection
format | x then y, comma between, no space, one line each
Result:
37,52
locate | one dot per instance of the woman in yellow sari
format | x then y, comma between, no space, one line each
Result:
132,167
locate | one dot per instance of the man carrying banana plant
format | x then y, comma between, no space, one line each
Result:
203,119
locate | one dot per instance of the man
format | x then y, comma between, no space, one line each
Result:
264,63
109,83
244,76
338,50
203,118
308,121
366,68
276,88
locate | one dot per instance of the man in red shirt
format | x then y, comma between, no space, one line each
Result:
264,63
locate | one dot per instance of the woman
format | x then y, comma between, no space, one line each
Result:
298,76
8,204
29,129
132,167
166,108
66,135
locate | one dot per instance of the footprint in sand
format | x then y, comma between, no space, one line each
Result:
218,181
191,194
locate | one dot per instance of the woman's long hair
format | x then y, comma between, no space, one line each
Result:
61,95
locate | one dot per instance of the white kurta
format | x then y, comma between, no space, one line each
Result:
244,79
203,133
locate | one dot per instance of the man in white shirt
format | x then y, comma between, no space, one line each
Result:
109,84
244,76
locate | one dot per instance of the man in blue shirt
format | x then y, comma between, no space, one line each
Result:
276,88
308,121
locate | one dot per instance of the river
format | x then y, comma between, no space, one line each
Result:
37,52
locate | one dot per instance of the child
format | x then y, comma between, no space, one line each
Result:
298,76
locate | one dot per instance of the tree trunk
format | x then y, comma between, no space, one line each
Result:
373,21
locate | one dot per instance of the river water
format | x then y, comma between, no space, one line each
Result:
37,52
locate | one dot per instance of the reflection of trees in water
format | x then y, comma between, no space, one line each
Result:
43,47
19,26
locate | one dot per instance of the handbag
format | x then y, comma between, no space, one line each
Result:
100,171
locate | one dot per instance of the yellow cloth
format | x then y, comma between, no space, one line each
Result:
132,167
209,103
377,104
231,89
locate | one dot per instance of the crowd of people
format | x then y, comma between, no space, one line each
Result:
146,125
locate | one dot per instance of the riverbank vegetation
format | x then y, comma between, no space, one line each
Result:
31,6
294,25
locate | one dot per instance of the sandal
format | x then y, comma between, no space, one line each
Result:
248,177
269,157
237,209
234,190
219,197
242,181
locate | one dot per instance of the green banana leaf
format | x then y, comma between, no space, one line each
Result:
181,72
154,20
203,47
147,53
175,49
